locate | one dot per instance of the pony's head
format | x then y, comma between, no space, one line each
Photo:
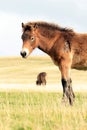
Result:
30,41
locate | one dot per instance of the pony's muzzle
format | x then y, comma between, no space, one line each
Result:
23,54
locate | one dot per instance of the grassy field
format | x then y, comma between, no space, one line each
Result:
30,110
17,70
41,111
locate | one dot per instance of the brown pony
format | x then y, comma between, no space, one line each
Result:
41,78
67,49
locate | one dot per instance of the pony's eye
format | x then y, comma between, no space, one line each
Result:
32,39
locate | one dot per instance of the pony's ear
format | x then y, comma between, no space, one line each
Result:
22,24
27,28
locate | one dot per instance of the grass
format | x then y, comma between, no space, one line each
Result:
41,111
30,110
18,70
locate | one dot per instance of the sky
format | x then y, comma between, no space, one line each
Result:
66,13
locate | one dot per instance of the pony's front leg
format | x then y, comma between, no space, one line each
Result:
68,93
71,93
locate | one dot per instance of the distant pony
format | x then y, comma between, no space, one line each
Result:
41,78
67,49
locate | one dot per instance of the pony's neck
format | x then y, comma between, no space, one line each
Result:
46,42
43,47
43,43
46,45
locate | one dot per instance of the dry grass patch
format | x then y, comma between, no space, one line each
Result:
24,71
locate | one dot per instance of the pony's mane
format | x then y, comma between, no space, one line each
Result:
50,26
47,29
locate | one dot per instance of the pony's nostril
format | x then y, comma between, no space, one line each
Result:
23,54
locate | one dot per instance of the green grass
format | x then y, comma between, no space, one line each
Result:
41,111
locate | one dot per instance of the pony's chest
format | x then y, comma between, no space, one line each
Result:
55,60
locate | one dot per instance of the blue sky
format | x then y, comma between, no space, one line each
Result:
66,13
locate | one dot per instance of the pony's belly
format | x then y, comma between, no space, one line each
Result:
78,67
80,64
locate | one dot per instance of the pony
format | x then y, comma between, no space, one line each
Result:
67,49
41,78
